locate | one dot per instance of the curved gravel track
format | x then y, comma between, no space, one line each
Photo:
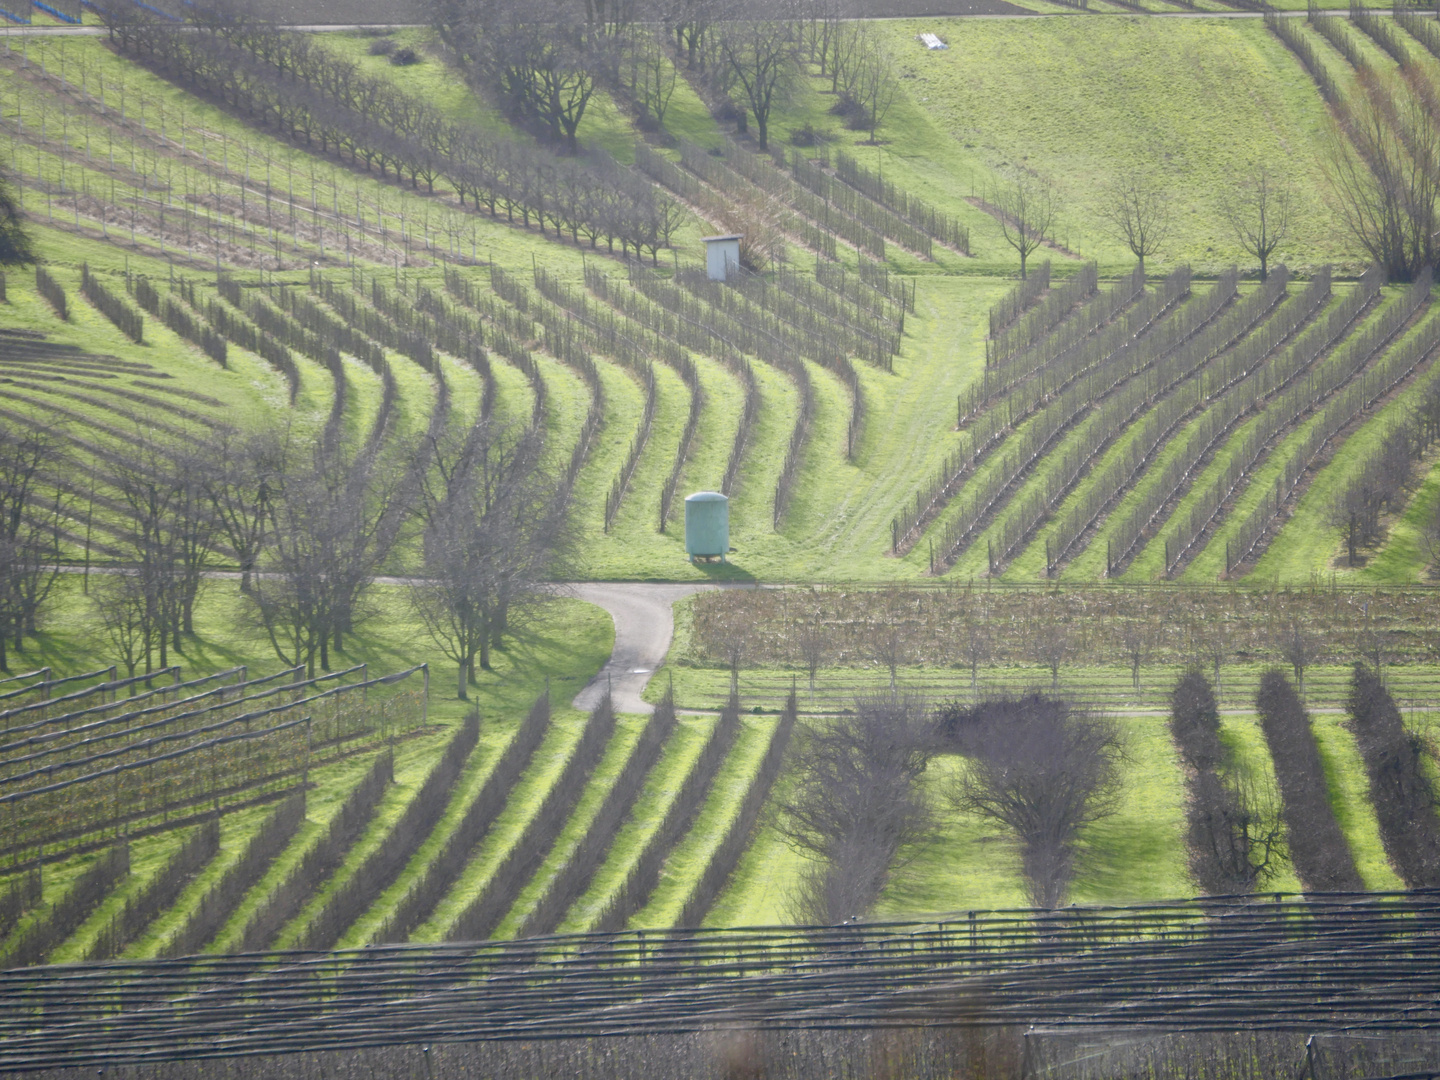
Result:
644,624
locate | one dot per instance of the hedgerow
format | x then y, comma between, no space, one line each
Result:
66,915
1225,377
287,899
741,831
128,322
141,910
441,873
1278,376
223,899
644,873
52,291
942,226
1318,849
573,879
1400,788
380,869
483,914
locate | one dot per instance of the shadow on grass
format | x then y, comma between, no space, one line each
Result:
726,571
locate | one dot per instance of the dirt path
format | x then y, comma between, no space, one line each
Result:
644,624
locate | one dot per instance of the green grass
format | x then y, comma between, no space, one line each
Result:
1251,757
1350,796
1197,100
617,753
664,784
690,857
1076,99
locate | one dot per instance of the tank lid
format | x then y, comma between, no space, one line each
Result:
706,496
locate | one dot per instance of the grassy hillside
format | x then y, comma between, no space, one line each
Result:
886,350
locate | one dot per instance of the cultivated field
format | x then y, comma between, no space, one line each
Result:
1083,482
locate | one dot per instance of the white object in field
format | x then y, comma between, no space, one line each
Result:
721,254
931,41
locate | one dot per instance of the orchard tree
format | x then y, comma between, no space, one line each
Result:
493,528
1026,206
1042,769
1136,208
30,524
856,803
763,57
16,248
1258,213
1383,167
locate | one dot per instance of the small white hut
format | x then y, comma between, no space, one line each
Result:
721,254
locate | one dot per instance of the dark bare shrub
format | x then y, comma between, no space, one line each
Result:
1195,721
1401,791
1042,769
1233,831
1318,849
855,803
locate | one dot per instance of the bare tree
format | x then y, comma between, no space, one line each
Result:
1258,212
875,84
844,44
812,643
30,515
976,645
540,55
331,526
1137,641
493,521
761,54
1043,770
1137,209
1051,645
855,803
689,21
1384,163
1298,646
1235,835
1234,829
126,617
168,533
889,634
1026,207
241,473
1208,642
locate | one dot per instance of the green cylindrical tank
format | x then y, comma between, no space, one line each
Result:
707,524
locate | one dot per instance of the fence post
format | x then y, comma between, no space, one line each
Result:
425,704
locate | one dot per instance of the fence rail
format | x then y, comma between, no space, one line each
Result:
1320,963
